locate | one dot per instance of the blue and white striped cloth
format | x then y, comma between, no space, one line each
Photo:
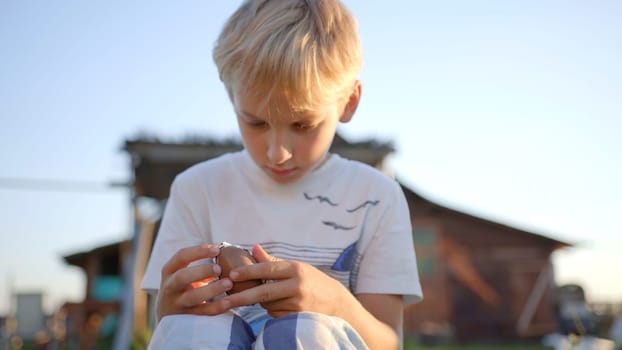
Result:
306,330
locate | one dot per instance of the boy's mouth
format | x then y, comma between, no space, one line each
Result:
281,172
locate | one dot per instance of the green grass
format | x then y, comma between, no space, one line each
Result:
106,344
478,347
412,346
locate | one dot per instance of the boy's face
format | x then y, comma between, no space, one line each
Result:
285,144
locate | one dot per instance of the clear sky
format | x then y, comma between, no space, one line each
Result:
509,110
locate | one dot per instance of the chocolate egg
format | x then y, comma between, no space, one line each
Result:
231,257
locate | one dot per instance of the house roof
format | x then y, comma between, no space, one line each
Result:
156,162
79,259
555,243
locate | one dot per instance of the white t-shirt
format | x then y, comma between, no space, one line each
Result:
345,218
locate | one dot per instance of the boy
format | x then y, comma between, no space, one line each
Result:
331,237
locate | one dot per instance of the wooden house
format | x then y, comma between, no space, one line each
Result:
103,291
482,280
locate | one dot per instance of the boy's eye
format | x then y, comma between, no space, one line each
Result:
257,123
302,126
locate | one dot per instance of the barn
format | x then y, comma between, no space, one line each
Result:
482,280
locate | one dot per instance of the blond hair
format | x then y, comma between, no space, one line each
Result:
305,50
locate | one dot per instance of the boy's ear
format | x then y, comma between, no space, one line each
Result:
353,103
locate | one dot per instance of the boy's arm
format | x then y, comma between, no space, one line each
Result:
388,309
376,317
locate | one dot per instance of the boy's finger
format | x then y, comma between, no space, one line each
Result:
196,296
261,255
264,293
214,307
195,276
187,255
265,271
211,308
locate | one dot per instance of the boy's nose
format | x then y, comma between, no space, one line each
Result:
278,151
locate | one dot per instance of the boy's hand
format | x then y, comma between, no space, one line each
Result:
291,286
188,289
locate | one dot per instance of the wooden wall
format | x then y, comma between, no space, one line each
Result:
482,281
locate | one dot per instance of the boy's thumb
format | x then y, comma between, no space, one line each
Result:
261,255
